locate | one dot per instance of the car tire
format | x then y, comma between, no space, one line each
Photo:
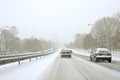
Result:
90,59
109,61
95,60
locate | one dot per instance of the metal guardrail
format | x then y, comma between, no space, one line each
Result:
5,59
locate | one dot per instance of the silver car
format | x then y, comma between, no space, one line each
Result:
101,54
66,53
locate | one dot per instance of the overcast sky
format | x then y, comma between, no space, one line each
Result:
43,18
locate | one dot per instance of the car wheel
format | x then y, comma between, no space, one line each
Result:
90,59
95,60
109,61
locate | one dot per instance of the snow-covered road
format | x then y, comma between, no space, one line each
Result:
77,69
53,67
27,70
114,65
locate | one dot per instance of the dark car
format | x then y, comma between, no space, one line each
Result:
101,54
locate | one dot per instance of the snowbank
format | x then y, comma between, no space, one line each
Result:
27,70
81,52
115,56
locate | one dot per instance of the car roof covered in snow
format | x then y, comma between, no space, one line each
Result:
102,49
66,51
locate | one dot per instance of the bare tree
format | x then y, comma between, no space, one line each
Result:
89,42
34,44
116,35
78,42
103,31
7,34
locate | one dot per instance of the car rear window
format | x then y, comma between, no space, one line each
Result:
103,51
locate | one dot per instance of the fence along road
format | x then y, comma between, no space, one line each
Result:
5,59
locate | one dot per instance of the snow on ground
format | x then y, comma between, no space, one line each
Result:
27,70
115,56
81,52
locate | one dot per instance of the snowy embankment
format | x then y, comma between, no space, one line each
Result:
27,70
81,52
115,56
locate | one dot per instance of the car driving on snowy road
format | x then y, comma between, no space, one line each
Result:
101,54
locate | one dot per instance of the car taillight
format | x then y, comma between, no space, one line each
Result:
109,54
97,54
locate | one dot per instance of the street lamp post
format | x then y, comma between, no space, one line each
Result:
91,42
54,38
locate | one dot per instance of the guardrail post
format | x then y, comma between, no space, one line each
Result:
18,62
30,59
19,57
